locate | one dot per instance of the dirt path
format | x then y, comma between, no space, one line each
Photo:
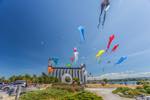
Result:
4,96
106,93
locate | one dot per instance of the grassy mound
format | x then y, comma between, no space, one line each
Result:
48,94
127,92
58,94
131,93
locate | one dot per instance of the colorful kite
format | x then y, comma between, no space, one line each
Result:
105,5
115,48
55,60
122,59
82,33
100,53
76,55
72,59
68,65
50,69
111,38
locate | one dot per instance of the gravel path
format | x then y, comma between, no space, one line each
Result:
106,93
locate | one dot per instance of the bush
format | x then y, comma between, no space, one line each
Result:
67,79
142,82
54,94
77,80
132,93
148,90
121,90
146,86
127,92
142,90
83,96
67,87
45,95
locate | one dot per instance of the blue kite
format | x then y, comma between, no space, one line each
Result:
122,59
55,60
82,33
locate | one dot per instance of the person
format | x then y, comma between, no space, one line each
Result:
105,5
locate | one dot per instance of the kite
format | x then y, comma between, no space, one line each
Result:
100,53
50,70
68,65
115,48
72,59
82,33
105,5
74,49
122,59
76,55
55,60
111,38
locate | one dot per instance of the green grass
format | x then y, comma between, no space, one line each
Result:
58,94
48,94
84,95
131,93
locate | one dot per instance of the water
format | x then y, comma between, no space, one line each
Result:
124,82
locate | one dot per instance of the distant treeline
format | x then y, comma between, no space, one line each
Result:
41,79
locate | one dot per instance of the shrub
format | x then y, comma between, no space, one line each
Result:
67,87
147,90
77,80
67,79
83,96
146,86
142,90
128,92
121,90
132,93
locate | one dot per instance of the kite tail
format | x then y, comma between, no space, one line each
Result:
99,22
102,8
108,46
104,19
106,50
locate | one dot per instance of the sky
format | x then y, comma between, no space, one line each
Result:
31,31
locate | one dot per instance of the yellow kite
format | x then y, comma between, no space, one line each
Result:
100,53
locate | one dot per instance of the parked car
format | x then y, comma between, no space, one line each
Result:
22,83
1,84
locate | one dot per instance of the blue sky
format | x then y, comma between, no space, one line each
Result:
33,30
